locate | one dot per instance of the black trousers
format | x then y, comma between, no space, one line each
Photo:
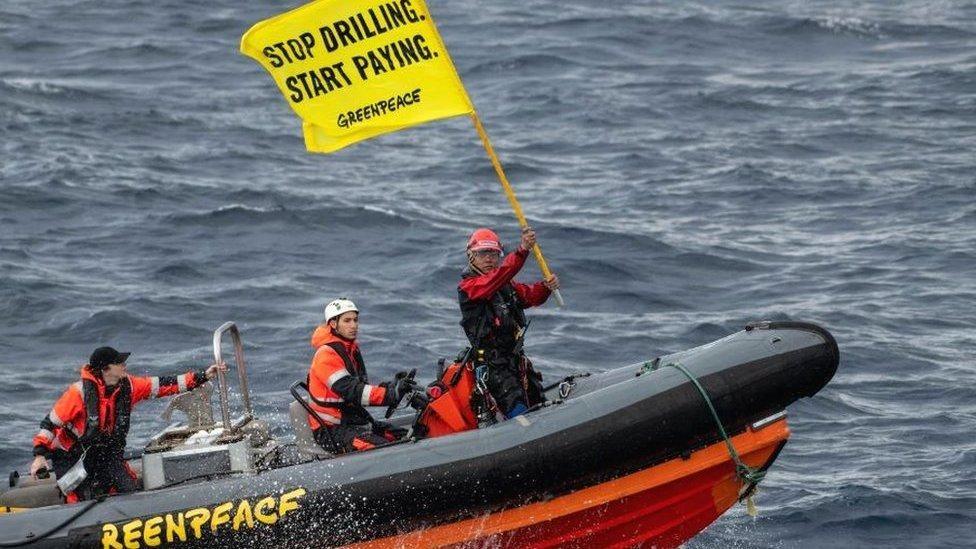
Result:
106,469
353,438
512,380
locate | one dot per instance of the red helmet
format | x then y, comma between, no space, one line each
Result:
484,239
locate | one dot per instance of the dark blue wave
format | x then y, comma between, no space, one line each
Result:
689,168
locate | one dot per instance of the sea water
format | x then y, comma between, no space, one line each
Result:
689,167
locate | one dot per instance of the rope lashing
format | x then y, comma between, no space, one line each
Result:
743,471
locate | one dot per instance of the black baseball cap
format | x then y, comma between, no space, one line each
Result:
103,356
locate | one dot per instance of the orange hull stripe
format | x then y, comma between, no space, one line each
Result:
754,448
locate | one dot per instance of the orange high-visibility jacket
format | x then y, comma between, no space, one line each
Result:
68,416
337,387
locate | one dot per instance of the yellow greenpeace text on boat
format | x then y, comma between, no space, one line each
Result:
355,70
194,524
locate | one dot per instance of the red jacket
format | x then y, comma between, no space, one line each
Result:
492,304
334,386
483,287
68,413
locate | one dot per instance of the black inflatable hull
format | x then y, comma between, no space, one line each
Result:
611,425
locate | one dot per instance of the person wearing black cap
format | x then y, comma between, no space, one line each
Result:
90,421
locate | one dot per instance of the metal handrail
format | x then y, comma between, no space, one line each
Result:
241,372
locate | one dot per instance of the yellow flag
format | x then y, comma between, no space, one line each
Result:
355,69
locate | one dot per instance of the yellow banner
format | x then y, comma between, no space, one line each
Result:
355,69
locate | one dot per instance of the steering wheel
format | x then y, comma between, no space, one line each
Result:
396,380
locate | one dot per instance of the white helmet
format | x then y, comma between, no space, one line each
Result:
337,307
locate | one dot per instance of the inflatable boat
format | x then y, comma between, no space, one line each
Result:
649,453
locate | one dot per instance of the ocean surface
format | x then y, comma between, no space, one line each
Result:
689,167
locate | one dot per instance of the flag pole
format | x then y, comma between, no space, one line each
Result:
510,193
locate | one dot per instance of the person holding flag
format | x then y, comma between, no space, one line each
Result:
357,70
493,317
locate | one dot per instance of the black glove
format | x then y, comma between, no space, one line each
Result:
398,388
419,400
